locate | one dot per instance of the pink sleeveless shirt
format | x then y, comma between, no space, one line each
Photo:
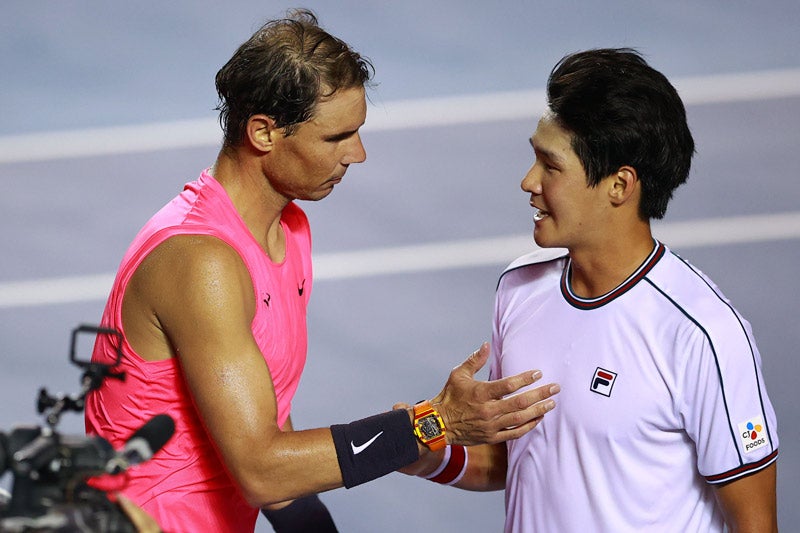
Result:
185,485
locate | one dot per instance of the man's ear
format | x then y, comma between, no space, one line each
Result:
624,183
262,132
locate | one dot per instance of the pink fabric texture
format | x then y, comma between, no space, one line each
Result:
185,486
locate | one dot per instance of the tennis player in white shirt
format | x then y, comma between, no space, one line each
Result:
663,422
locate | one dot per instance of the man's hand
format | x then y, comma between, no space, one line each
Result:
143,522
478,412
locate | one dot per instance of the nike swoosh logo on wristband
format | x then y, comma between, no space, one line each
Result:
358,449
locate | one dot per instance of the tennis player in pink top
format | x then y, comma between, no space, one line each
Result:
663,423
211,301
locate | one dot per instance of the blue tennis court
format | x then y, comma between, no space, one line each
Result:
107,109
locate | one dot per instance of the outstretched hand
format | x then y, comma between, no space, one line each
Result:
143,522
479,412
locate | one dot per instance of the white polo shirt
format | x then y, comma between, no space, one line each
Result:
662,396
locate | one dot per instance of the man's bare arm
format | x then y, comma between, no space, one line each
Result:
486,467
202,299
749,504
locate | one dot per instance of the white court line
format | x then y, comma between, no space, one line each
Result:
498,251
395,115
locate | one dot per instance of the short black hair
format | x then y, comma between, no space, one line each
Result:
621,111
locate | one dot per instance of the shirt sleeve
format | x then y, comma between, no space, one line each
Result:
725,405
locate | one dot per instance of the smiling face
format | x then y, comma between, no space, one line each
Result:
569,213
308,163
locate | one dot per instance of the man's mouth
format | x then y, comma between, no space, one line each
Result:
540,214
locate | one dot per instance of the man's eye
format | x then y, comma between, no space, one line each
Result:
340,137
547,166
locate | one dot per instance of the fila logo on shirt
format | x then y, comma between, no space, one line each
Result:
752,434
603,381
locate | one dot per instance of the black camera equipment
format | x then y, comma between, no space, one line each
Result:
50,470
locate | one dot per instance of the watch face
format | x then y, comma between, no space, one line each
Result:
429,427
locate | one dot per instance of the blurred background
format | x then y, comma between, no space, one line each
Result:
107,109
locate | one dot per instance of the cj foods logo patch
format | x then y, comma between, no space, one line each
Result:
752,434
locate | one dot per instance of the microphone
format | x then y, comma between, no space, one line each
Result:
143,444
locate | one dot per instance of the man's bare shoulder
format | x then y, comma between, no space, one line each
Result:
183,280
187,257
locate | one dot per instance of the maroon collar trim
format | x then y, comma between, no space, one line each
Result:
593,303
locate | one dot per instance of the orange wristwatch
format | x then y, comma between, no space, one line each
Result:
428,426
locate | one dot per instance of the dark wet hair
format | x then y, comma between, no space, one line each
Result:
283,71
